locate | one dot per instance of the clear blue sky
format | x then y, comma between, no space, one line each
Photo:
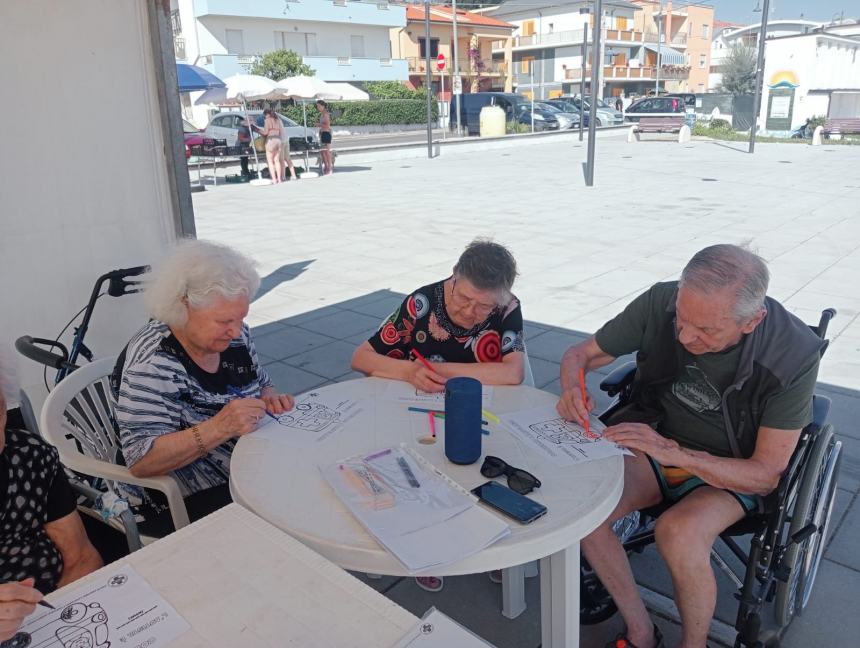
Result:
741,11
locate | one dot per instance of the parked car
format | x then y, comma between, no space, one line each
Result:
566,105
544,120
472,103
565,119
606,114
655,107
192,135
688,97
225,126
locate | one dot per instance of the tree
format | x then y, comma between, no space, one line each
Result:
739,70
280,64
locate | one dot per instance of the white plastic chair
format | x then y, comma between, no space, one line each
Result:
80,410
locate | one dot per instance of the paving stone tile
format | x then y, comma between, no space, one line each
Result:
342,324
289,341
331,361
292,380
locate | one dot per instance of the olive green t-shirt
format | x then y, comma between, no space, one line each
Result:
693,401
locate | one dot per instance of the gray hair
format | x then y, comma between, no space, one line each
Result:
487,266
195,273
729,267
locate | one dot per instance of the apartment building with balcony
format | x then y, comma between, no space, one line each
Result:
342,40
547,49
478,70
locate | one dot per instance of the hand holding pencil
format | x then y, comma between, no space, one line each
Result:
17,600
423,376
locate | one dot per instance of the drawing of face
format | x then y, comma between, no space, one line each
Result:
75,637
74,613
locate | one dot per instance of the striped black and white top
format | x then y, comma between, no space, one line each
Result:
162,390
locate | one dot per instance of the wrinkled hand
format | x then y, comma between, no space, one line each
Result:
239,417
638,436
277,404
571,406
17,600
424,379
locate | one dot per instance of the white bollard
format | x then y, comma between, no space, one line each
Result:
684,135
816,135
632,134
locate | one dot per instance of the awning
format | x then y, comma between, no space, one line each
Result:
668,56
192,78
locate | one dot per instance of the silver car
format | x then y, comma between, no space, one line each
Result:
225,126
565,119
606,114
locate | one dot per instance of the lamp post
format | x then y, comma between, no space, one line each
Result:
659,47
429,79
596,66
582,78
759,73
456,62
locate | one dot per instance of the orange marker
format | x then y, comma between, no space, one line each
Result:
432,418
585,402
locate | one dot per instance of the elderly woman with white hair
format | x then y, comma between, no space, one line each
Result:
190,382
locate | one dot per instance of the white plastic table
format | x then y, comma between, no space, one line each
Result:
239,581
282,484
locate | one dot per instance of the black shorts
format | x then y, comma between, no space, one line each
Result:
325,137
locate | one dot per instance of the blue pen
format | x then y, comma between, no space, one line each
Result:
236,392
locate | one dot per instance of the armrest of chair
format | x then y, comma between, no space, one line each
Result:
618,379
167,485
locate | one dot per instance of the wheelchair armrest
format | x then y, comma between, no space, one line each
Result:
126,517
820,409
167,485
618,379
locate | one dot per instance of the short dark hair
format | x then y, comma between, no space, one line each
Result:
487,265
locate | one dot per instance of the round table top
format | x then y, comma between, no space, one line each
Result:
280,481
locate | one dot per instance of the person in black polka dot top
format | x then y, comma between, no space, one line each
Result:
41,534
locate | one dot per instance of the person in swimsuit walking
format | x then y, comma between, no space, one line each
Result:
274,132
324,124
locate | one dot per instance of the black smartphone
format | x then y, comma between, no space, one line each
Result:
521,508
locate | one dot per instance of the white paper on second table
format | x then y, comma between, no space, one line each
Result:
403,392
119,609
563,442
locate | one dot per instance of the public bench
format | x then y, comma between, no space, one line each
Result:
660,125
836,126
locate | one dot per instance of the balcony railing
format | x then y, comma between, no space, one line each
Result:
677,39
417,65
621,72
573,37
179,48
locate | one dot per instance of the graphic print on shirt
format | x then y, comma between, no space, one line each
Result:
695,391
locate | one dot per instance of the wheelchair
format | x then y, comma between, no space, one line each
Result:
788,538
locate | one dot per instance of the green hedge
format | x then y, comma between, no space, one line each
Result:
366,113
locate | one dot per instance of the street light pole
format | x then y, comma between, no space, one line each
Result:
428,79
582,79
596,65
456,62
759,74
659,38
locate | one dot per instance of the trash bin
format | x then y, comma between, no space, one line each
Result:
492,121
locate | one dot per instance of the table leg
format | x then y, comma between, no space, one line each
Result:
513,591
559,596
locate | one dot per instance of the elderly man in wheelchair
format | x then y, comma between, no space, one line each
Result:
722,393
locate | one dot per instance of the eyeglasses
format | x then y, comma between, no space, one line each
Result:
518,479
481,310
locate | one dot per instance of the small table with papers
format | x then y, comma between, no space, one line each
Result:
276,473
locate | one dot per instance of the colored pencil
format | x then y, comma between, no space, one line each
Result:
236,392
432,420
422,359
585,402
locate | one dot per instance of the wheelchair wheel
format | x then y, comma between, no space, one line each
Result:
814,504
595,603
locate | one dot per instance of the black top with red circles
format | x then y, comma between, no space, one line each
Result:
421,322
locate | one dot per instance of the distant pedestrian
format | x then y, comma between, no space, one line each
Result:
273,129
619,103
324,124
244,140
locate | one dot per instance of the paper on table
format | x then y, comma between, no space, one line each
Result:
314,418
436,630
120,609
563,442
432,524
398,390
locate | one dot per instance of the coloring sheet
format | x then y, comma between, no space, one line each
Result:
121,609
563,442
403,392
315,417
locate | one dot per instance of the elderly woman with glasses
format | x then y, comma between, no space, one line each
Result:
190,382
466,325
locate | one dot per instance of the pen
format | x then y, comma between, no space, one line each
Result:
490,415
236,392
424,409
432,420
377,455
585,402
43,602
407,471
422,359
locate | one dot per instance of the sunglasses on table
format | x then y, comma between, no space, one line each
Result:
519,480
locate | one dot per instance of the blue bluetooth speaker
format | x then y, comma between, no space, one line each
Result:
463,420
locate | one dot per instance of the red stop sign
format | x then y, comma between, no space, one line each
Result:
440,62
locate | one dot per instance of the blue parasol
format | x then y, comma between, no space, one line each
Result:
192,78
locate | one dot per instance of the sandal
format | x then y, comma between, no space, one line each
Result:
430,583
621,641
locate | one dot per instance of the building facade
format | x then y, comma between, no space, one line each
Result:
478,70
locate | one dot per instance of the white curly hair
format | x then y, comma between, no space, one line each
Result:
193,274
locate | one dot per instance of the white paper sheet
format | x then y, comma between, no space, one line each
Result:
123,610
542,430
315,417
436,630
412,509
403,392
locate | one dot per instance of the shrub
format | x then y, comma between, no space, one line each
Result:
721,124
392,90
817,120
366,113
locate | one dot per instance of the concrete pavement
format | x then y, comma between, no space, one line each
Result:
339,252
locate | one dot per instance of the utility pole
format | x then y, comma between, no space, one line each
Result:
456,62
582,79
596,65
429,79
659,50
759,73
